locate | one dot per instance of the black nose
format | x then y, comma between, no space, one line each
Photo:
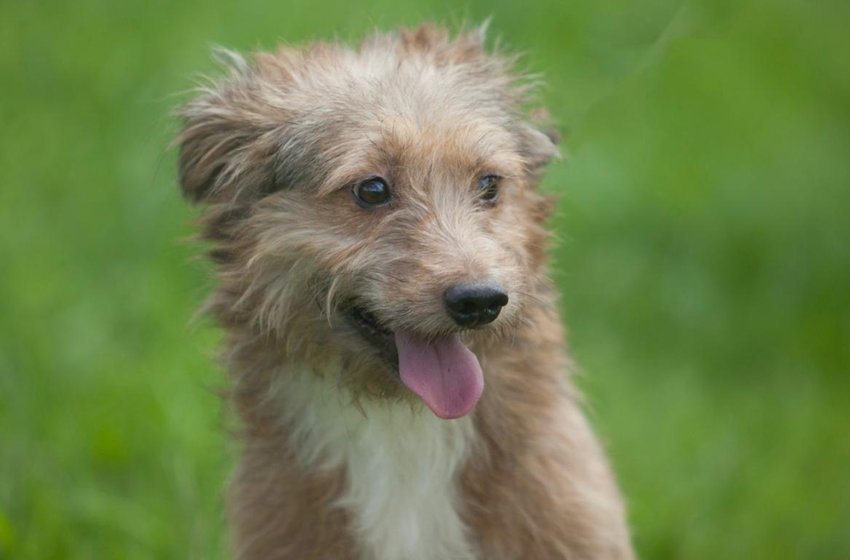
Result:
473,305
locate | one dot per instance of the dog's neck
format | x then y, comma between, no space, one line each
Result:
401,462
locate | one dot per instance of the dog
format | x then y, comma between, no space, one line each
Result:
399,368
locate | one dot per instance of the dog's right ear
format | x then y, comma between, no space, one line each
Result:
230,138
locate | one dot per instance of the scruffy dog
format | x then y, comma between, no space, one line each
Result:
398,364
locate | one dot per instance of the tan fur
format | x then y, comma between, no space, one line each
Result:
272,152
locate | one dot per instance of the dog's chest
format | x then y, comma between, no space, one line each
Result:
402,468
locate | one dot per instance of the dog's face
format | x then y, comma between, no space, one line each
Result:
373,208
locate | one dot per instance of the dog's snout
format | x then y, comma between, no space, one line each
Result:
473,305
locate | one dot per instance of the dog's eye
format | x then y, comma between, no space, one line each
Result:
488,188
371,192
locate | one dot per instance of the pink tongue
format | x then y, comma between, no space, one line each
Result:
444,373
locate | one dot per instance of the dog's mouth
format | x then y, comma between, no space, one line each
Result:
369,324
377,334
441,370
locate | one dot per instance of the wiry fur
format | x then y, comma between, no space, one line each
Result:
339,459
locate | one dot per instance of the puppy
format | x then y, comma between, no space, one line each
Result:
398,364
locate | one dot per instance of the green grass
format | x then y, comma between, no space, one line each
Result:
704,257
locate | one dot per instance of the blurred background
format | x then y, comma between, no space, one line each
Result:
702,252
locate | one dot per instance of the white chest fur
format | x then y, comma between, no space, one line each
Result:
402,464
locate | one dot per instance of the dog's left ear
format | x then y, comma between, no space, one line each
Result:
538,146
230,138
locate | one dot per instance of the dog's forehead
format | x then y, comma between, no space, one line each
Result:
429,113
438,135
363,112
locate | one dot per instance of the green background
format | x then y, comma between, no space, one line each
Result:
702,252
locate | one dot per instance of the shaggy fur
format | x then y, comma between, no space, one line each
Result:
339,459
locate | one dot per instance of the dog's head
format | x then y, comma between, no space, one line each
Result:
373,206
